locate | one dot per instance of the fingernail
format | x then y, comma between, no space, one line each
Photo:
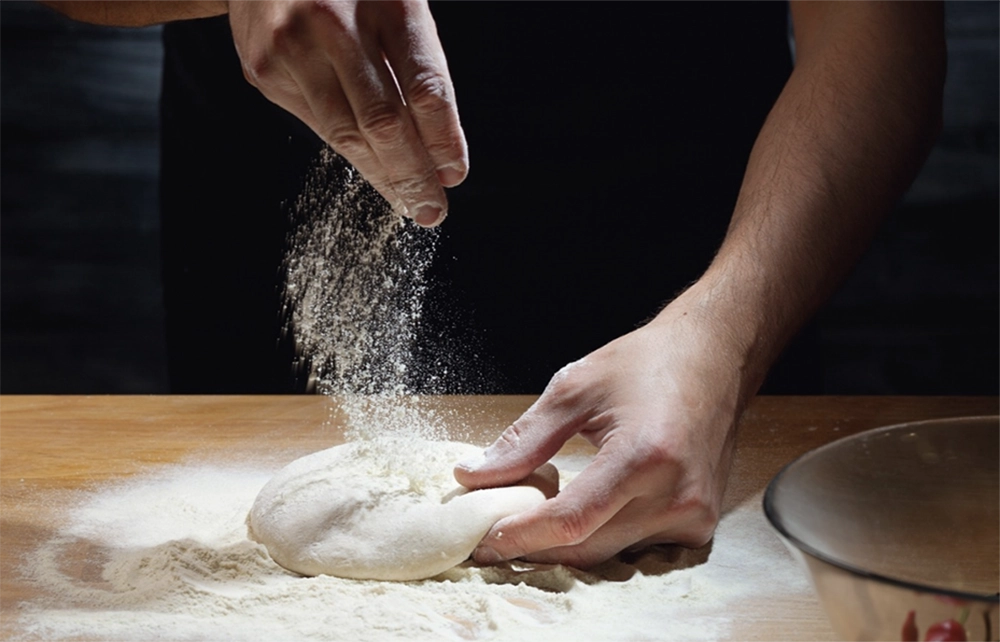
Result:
486,555
428,215
450,175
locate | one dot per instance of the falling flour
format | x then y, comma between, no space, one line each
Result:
165,556
354,286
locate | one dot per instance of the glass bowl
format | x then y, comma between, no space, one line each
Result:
899,529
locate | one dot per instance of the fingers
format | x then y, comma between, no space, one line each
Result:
376,127
628,529
524,446
620,532
415,55
591,500
623,498
329,113
545,535
534,438
545,479
328,63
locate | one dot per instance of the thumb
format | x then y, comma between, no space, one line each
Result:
524,446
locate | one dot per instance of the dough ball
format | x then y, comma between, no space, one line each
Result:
384,511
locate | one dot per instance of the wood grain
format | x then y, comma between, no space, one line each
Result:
51,446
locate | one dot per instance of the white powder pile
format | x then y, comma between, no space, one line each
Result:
165,556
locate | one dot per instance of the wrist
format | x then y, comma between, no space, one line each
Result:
739,335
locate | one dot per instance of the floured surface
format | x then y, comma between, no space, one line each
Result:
165,556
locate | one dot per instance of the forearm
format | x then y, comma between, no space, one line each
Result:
136,13
843,141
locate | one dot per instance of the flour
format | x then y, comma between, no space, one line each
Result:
165,555
353,283
354,286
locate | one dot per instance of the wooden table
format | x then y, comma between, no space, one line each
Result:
50,445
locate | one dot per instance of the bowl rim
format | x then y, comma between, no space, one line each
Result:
774,519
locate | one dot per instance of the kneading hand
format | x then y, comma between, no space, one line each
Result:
371,79
661,404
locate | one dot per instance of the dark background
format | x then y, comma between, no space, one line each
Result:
80,293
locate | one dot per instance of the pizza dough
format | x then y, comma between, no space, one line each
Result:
385,511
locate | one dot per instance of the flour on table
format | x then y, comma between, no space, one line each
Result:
165,556
385,510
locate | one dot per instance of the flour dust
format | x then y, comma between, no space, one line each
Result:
355,283
164,556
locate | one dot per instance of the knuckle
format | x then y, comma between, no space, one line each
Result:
249,75
565,381
656,456
335,19
699,516
429,92
508,442
570,526
347,141
382,124
283,39
418,188
293,32
258,68
288,31
263,63
511,436
452,149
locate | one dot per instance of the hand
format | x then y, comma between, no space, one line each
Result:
370,78
661,404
